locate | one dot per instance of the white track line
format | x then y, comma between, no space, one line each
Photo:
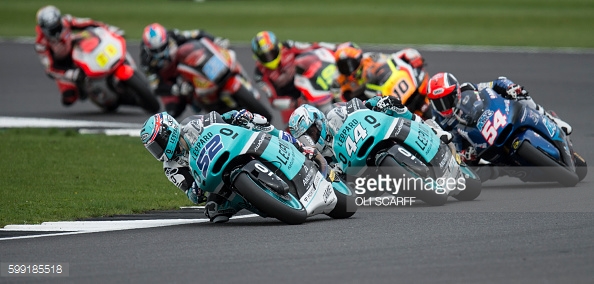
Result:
85,227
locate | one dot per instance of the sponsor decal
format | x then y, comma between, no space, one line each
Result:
259,143
483,118
345,130
551,127
516,144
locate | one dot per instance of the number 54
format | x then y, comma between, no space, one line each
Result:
489,131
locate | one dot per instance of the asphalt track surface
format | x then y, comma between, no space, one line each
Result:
513,233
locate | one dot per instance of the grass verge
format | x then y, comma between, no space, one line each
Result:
547,23
51,175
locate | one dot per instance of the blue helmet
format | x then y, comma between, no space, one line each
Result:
309,120
160,135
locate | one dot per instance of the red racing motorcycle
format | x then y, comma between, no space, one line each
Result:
112,78
220,82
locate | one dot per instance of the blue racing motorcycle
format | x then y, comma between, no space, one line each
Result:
264,174
514,136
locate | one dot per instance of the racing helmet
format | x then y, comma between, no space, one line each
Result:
307,119
267,49
49,20
469,107
336,117
160,135
348,59
156,40
442,91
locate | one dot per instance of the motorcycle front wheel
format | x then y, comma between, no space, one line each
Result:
142,93
538,159
285,208
581,167
246,100
346,205
390,166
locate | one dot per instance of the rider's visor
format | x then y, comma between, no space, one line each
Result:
314,132
347,66
270,59
161,53
157,146
444,105
53,32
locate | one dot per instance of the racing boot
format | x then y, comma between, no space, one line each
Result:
218,209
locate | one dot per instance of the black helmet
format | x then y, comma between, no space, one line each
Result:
469,107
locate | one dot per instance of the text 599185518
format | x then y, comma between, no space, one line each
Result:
34,269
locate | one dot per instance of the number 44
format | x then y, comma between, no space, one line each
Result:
489,131
360,133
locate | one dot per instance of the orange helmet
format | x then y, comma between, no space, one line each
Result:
348,59
442,91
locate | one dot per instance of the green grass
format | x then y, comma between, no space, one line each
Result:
51,174
548,23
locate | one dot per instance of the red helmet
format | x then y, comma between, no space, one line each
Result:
442,91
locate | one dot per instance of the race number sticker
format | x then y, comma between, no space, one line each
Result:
208,153
491,127
327,77
359,133
106,55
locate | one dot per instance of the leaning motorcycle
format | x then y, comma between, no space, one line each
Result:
395,77
264,174
370,142
315,72
112,78
220,82
518,139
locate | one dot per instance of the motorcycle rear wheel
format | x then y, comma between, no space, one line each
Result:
537,158
391,166
287,209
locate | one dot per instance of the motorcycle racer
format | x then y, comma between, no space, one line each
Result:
158,60
169,142
53,45
275,68
323,128
363,74
444,91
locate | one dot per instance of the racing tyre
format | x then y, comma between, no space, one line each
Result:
392,167
346,205
581,167
143,94
285,208
473,185
246,100
537,158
